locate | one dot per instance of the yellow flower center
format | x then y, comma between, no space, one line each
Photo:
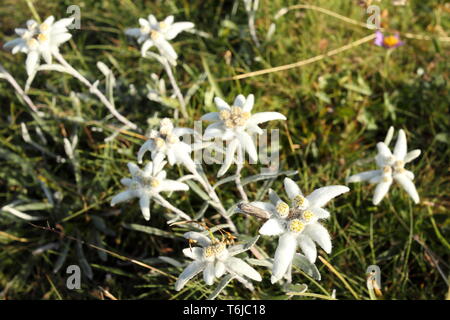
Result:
308,215
299,200
214,250
44,27
282,209
159,142
42,37
154,35
32,43
399,164
391,41
235,117
154,182
224,114
296,225
387,169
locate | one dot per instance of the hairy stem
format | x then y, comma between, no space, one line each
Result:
175,87
167,205
8,77
94,90
239,167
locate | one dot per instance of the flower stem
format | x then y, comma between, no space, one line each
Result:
93,89
239,167
215,199
167,205
175,87
8,77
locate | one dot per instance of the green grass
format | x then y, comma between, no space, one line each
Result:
337,109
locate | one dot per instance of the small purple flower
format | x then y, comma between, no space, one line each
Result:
389,42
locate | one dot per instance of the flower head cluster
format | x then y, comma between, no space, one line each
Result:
391,167
214,258
147,183
166,142
235,124
297,224
158,34
38,40
389,42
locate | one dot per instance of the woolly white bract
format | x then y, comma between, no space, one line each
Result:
297,224
214,259
392,167
235,125
40,40
154,33
147,183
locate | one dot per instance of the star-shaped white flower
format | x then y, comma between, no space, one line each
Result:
40,40
298,224
235,125
214,259
166,143
391,167
158,34
146,184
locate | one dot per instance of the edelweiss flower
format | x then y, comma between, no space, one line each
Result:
392,167
157,33
388,42
214,259
147,183
166,142
40,39
235,125
297,224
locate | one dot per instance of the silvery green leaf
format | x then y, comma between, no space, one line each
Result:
52,67
297,288
239,248
215,228
103,68
307,267
192,185
222,284
258,177
46,247
20,214
62,257
202,211
225,180
149,230
84,264
33,206
171,261
260,262
100,224
98,242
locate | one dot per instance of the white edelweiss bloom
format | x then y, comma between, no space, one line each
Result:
214,259
38,40
158,34
297,224
391,167
166,142
235,125
147,183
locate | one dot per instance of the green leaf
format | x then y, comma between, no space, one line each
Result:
149,230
